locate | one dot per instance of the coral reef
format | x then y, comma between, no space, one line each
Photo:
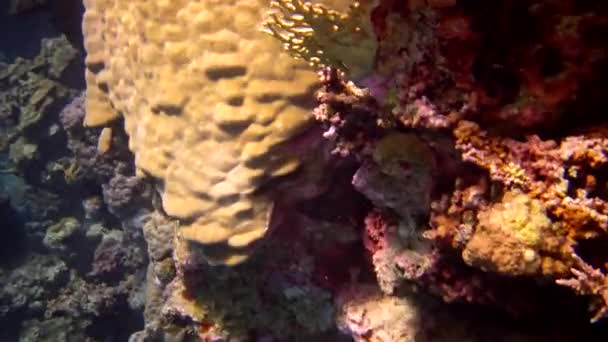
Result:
90,165
512,235
252,99
514,184
28,286
453,126
285,293
54,329
32,90
367,315
68,271
450,184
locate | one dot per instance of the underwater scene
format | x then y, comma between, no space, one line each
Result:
303,170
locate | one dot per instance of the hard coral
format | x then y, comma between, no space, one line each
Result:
376,226
526,150
453,216
208,103
367,315
589,281
562,176
275,295
512,236
325,37
87,164
125,195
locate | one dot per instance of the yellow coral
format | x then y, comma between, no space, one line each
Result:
207,102
521,216
516,237
325,37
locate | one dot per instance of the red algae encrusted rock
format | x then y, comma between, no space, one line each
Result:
505,98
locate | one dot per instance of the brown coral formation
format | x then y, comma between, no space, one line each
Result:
208,103
563,176
511,237
460,125
506,96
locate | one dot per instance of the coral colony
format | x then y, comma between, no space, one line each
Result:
332,170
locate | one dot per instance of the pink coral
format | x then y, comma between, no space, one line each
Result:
589,281
376,226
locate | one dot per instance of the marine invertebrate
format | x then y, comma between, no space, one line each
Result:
516,237
589,281
208,103
497,107
31,93
61,236
105,140
45,293
27,287
32,89
398,174
325,37
109,257
124,195
57,328
350,115
367,314
22,152
563,176
87,163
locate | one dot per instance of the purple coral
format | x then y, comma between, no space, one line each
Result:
72,115
125,195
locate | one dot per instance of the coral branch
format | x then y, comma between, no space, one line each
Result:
589,281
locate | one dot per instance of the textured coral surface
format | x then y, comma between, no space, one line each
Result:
208,101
